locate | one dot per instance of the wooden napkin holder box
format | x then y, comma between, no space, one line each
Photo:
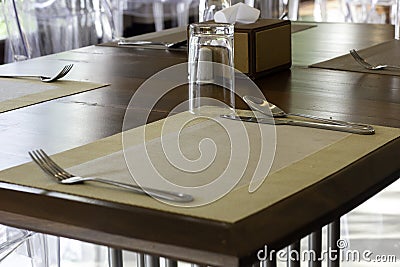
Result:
262,47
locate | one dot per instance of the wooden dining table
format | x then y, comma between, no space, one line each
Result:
72,121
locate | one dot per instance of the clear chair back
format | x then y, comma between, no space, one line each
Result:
42,27
20,247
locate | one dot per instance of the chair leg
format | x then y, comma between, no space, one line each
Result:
320,10
182,13
315,245
333,239
293,255
171,263
293,9
158,14
115,257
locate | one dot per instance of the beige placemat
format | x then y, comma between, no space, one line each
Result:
384,53
18,93
168,35
304,156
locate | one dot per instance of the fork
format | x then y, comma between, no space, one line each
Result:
64,71
52,168
369,66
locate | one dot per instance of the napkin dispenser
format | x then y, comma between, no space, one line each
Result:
262,47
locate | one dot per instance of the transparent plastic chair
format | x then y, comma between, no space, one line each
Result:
176,11
370,11
20,247
41,27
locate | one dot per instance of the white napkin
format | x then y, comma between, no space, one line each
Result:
240,12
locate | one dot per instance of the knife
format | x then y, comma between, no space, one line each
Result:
144,43
285,121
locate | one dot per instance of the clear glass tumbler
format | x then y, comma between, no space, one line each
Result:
207,8
211,68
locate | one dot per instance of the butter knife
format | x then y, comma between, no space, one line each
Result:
285,121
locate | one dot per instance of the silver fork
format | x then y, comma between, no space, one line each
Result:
45,79
50,167
360,60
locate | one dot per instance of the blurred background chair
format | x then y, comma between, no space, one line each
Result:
370,11
25,248
41,27
161,13
277,8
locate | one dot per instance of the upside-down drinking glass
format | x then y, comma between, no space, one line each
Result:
211,70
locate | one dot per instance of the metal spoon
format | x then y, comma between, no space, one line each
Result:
269,109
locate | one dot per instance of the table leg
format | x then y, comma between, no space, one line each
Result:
269,262
293,255
115,257
333,238
151,261
171,263
315,248
140,260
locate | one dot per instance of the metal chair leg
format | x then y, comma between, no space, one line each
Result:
140,260
293,255
115,257
315,246
171,263
151,261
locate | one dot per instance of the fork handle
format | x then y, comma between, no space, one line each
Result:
161,194
139,43
392,67
22,76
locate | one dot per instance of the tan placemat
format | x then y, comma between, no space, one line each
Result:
384,53
18,93
168,35
304,156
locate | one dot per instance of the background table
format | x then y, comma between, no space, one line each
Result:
72,121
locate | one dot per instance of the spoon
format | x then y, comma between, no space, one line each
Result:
269,109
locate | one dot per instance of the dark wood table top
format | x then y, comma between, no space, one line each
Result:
79,119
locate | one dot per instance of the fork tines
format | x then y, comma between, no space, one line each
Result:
359,59
64,71
48,165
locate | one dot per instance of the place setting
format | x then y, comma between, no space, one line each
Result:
382,58
176,39
24,87
379,59
173,40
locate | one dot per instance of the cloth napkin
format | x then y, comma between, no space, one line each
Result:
239,12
